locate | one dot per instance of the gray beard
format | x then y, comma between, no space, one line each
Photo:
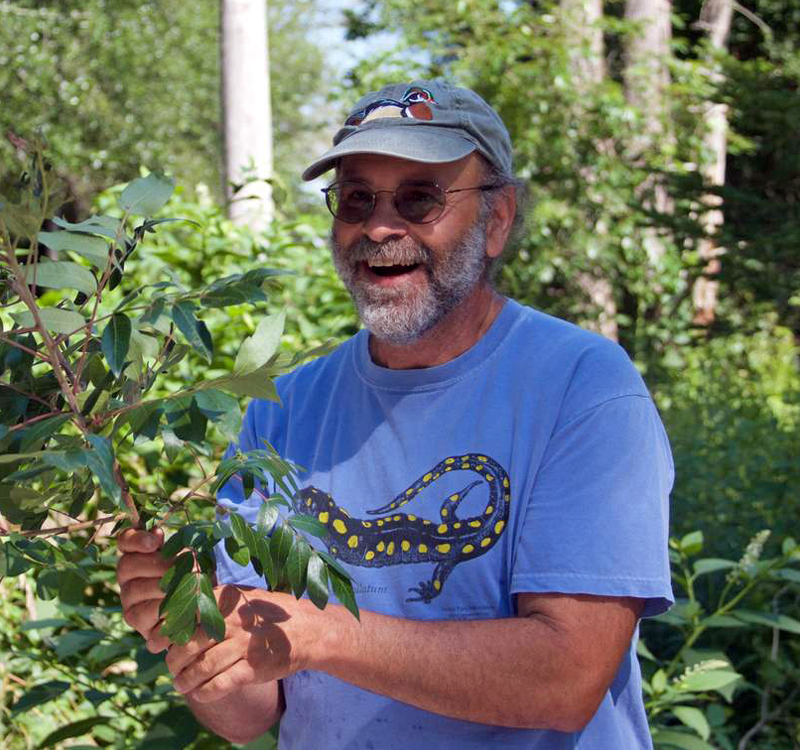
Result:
402,315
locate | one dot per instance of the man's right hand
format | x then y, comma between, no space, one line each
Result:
139,570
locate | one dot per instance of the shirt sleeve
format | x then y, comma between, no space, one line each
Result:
597,520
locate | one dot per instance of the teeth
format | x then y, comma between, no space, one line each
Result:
385,262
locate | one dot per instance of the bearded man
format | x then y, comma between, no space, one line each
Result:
494,479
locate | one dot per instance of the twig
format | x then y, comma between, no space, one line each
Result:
71,528
764,720
33,396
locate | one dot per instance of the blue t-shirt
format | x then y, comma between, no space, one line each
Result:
533,462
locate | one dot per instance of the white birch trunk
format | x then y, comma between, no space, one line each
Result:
715,18
584,36
646,81
247,110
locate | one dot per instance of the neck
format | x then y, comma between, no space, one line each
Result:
452,336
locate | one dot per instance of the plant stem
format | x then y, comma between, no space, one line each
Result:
72,528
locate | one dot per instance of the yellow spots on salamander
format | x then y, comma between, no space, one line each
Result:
367,524
450,461
486,542
444,512
465,458
478,467
499,526
308,501
323,517
409,491
334,550
437,584
426,522
427,477
380,547
448,468
339,526
369,555
506,483
457,525
379,522
423,548
405,545
443,548
411,518
396,518
489,510
390,548
454,497
465,466
475,524
489,478
467,548
441,528
352,542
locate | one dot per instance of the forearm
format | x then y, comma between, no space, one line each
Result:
242,716
517,672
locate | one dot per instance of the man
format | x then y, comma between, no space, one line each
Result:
494,479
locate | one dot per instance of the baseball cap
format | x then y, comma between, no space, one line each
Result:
425,121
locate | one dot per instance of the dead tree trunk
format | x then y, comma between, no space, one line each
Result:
247,111
715,19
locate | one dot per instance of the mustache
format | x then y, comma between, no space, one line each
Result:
404,251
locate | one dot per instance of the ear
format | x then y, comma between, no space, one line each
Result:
501,221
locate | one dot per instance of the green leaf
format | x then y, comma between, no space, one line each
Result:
256,384
310,525
76,641
782,622
280,544
76,729
211,618
37,434
297,564
145,196
222,409
38,694
115,342
101,462
180,610
267,516
107,226
668,738
237,551
698,682
257,350
94,249
61,274
711,565
53,319
343,589
692,543
693,718
194,330
182,566
317,581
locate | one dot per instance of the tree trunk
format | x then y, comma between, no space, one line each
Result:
584,37
247,111
715,19
646,78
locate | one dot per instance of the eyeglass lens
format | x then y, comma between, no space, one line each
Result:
354,202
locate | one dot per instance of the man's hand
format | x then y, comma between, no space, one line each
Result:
139,570
256,648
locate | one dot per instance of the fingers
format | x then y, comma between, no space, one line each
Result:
233,679
140,590
133,565
180,656
143,617
138,540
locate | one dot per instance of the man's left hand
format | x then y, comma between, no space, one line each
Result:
256,648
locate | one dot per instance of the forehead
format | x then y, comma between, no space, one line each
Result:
377,170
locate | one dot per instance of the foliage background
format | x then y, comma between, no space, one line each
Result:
729,393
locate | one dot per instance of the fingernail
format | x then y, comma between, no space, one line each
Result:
150,543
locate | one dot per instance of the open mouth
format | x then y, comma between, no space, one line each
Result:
387,269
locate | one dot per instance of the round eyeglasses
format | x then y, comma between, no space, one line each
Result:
353,202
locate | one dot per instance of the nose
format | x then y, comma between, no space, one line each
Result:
384,222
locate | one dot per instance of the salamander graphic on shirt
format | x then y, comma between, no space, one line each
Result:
399,538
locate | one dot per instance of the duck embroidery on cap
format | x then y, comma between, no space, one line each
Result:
414,104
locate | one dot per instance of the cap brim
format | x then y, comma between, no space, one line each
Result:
431,145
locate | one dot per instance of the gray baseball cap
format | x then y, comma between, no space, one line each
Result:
425,121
